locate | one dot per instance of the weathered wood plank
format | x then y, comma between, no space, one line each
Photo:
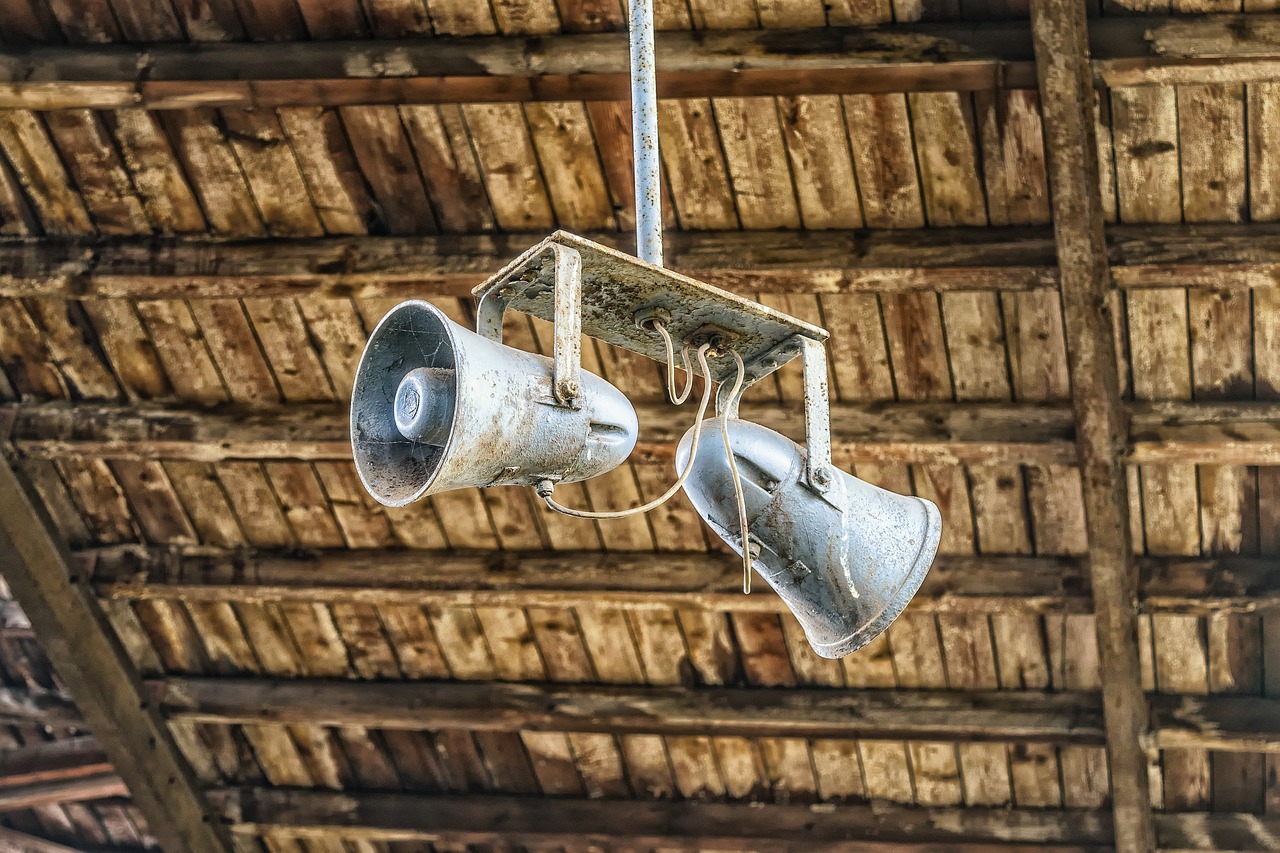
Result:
95,786
644,581
592,66
928,433
724,826
52,761
1059,29
1223,256
26,843
319,432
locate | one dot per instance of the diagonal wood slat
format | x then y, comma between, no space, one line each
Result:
1059,29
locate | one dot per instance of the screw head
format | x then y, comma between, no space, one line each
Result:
822,477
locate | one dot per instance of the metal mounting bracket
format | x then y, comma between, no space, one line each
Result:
566,317
586,288
613,287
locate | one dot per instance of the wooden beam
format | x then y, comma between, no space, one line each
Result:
696,825
1219,723
98,674
1059,30
13,841
99,786
53,761
921,57
1218,256
772,828
962,716
641,580
941,433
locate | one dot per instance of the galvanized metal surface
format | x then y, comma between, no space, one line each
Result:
644,132
438,407
845,561
616,287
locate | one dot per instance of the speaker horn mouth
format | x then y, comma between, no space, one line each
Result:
899,599
404,403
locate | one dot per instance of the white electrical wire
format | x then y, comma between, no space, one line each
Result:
545,494
678,399
730,406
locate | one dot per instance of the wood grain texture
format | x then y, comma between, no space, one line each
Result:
1226,257
1059,30
726,63
728,826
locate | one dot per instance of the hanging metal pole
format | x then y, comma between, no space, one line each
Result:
644,132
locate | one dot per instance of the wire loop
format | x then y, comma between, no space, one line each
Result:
544,490
680,398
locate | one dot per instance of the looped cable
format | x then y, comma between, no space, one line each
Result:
544,488
678,399
734,394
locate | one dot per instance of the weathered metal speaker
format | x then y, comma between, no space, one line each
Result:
438,407
846,559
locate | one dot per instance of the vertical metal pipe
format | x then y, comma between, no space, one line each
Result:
644,132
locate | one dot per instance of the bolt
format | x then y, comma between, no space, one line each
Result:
570,389
822,477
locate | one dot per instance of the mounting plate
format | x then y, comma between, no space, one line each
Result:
617,286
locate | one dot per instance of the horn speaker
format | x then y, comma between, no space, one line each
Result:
438,407
845,560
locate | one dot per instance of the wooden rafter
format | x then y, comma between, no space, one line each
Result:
642,580
1059,29
944,57
98,786
99,675
1006,259
976,433
1006,716
57,760
21,842
1220,723
724,826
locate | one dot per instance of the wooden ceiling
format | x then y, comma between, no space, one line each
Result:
205,206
